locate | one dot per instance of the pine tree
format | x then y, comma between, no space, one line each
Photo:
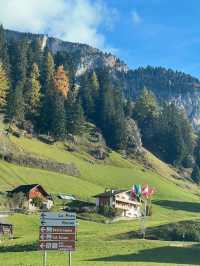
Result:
61,81
46,123
4,86
47,60
19,64
172,140
16,111
196,174
145,113
110,113
146,107
33,94
128,108
93,82
35,54
118,122
93,85
74,113
58,117
87,97
4,57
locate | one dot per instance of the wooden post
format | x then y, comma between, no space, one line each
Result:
145,216
45,258
70,258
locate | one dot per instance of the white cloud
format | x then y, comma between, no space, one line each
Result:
136,19
71,20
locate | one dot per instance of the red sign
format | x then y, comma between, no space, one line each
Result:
57,245
58,229
57,238
67,237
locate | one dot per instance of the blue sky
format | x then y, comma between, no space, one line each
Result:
141,32
159,33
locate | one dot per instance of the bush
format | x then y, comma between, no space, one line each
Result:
182,231
38,202
109,211
196,174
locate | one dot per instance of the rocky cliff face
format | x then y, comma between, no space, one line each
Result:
190,102
87,58
167,85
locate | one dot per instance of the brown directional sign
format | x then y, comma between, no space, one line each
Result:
57,245
58,231
67,237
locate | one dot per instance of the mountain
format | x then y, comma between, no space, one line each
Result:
168,85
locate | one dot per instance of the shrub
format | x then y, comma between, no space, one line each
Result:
109,211
182,231
38,202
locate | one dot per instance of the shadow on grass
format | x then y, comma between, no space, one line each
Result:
179,205
19,248
175,255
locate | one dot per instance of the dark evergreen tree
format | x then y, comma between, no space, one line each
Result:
196,174
33,93
35,54
111,118
74,113
87,97
46,123
197,151
58,116
172,140
128,108
4,86
118,122
4,57
16,109
93,86
18,60
43,68
145,113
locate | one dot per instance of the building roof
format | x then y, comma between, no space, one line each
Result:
5,224
26,188
110,193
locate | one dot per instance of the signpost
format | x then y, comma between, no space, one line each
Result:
57,232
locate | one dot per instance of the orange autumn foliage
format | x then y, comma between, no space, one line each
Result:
61,81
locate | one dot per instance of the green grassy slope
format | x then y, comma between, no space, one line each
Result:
98,243
117,173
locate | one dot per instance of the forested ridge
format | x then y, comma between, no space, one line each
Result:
40,92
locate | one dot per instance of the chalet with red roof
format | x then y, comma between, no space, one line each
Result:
34,191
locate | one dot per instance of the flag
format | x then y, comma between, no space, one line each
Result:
136,192
147,191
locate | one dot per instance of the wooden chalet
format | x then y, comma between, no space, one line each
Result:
34,191
119,199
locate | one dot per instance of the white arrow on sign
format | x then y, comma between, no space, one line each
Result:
58,215
49,222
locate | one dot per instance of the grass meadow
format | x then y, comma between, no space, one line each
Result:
99,243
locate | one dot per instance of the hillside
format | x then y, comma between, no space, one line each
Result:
176,199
